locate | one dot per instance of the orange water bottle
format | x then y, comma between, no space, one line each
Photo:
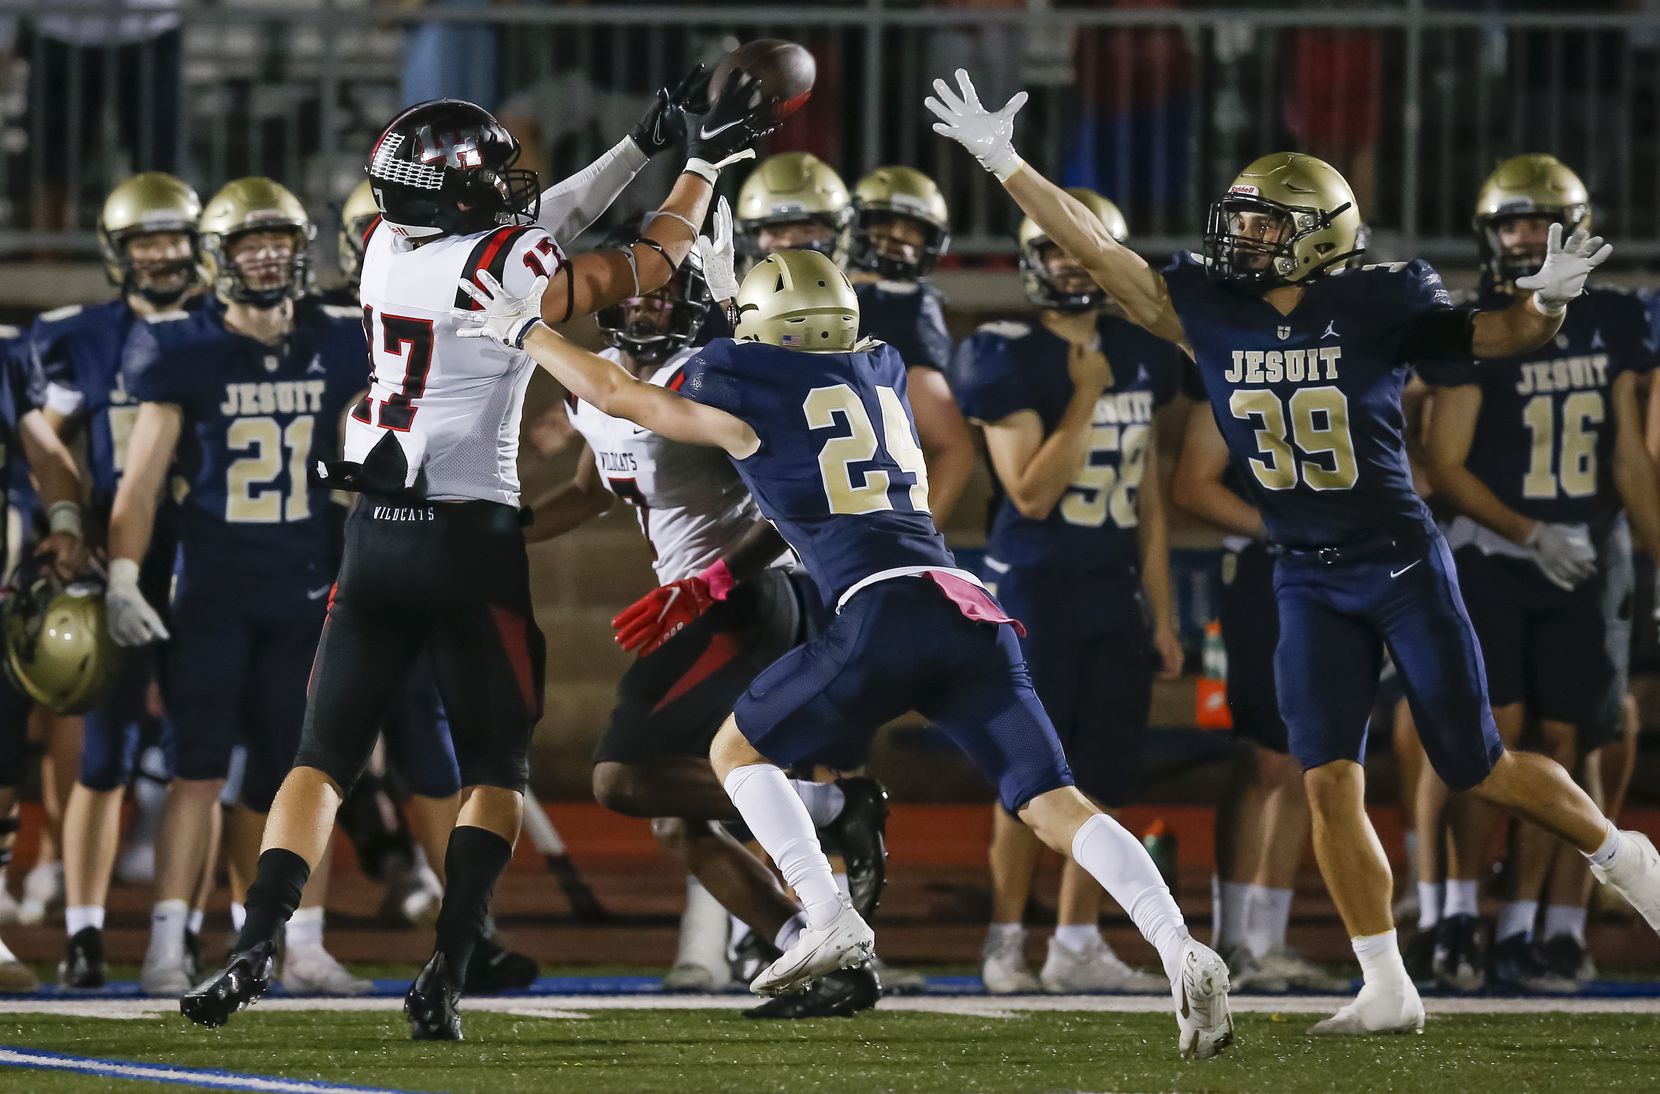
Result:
1211,705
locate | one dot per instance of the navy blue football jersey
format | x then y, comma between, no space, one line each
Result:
1544,439
21,390
78,351
256,419
839,471
1004,368
1310,403
907,315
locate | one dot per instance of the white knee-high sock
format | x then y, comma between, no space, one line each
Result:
781,825
1121,864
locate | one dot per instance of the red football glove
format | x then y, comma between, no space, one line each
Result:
646,624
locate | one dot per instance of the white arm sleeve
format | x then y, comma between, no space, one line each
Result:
569,206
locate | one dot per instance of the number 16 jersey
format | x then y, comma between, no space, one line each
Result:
451,404
1310,403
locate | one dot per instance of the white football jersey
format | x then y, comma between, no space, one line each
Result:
454,404
689,500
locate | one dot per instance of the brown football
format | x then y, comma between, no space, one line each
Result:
785,69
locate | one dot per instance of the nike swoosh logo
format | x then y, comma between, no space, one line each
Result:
705,133
318,594
1404,569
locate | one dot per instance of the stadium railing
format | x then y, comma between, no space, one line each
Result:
1155,106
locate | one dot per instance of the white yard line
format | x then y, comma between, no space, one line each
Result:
582,1006
161,1073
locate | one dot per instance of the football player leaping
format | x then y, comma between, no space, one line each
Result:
817,425
1303,362
435,558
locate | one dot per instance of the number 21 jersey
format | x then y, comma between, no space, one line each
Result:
1310,403
452,404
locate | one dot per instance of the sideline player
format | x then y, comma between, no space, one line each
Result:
25,431
236,400
816,423
435,558
1304,362
1540,453
147,233
729,605
1078,552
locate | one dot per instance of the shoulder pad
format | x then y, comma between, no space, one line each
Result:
57,315
868,345
900,288
166,317
342,311
1004,328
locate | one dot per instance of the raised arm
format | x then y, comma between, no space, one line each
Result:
989,136
1534,319
516,322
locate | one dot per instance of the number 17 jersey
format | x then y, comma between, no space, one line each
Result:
1310,403
451,404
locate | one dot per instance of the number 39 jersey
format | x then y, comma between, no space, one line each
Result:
690,503
1005,368
1310,403
1544,438
453,404
839,471
256,418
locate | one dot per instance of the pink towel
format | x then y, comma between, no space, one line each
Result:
974,602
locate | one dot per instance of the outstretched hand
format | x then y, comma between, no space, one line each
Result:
1566,267
719,260
988,135
504,318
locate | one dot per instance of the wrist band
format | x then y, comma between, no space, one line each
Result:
124,571
524,332
64,516
1549,311
719,578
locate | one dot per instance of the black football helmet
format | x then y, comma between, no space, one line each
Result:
446,167
656,325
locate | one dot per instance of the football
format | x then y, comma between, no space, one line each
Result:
785,69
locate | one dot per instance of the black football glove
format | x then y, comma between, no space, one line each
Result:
664,123
739,116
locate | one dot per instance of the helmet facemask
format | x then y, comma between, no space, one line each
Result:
653,327
1070,290
1253,242
166,272
256,279
1502,260
894,244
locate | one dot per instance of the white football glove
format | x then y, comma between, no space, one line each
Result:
1566,267
132,621
988,136
1563,552
717,254
506,319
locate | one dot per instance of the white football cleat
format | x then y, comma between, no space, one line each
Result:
688,976
846,942
42,891
1003,967
312,970
1635,873
15,976
1301,974
1203,1020
1095,968
1379,1008
1248,973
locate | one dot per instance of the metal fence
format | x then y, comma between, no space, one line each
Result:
1156,106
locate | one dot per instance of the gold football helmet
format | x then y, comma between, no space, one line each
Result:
250,205
1286,218
1040,288
888,194
1535,184
58,647
150,202
799,300
356,214
792,188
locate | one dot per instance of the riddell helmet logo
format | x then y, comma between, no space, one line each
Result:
456,149
1244,188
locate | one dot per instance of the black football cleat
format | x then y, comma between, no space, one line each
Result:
752,954
860,834
239,984
1461,954
192,953
430,1005
840,994
494,968
1419,956
1519,966
1567,957
82,967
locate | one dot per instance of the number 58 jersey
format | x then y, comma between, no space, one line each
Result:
1310,403
839,471
452,404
